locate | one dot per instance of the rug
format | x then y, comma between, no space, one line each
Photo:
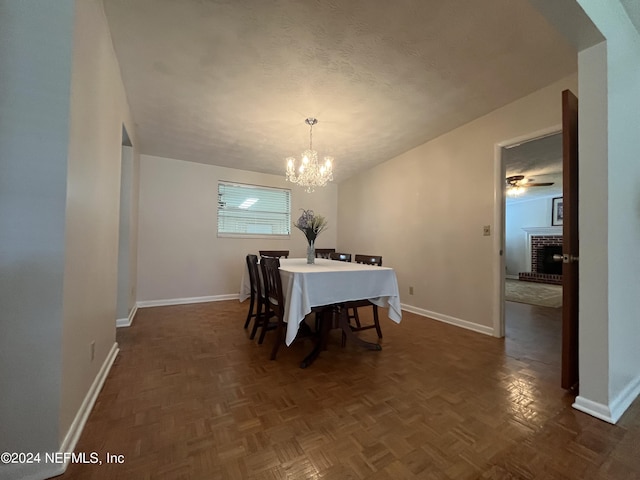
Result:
541,294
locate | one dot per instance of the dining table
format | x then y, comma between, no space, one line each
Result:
328,283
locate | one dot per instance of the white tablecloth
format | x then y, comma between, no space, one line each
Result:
327,282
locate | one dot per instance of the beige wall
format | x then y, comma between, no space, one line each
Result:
63,107
98,110
594,191
424,211
609,215
180,255
35,66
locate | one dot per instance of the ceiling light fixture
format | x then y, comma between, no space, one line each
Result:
514,185
514,191
310,174
517,184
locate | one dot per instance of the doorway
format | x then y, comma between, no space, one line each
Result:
530,313
533,187
125,302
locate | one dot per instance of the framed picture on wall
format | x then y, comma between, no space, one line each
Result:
556,211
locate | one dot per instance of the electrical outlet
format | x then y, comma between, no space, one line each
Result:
410,290
486,230
93,350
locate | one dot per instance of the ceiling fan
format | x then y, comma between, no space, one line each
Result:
517,183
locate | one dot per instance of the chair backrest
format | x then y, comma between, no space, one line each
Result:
324,252
369,259
254,275
273,285
343,257
274,253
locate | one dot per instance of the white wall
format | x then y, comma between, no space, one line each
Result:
63,107
180,255
624,207
424,211
98,110
521,214
609,359
594,191
35,66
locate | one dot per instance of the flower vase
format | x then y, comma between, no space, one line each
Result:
311,253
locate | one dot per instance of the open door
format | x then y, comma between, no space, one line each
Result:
570,241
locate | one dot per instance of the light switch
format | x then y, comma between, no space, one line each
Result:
486,230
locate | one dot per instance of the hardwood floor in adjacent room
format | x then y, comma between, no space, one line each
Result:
191,397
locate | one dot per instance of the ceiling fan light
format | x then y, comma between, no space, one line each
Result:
514,190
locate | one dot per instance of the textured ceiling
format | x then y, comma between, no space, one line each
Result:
230,82
539,160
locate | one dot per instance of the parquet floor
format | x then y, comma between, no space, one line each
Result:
191,397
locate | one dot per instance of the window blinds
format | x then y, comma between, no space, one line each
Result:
247,210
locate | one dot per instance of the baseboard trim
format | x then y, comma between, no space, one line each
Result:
126,322
623,401
185,301
610,413
595,409
512,277
458,322
44,470
72,436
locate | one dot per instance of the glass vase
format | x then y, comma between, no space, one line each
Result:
311,253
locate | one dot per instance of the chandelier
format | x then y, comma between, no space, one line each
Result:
310,174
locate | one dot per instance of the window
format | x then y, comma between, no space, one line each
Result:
249,210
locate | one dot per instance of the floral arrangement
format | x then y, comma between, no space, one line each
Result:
311,225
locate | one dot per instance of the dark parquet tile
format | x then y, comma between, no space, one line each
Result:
191,397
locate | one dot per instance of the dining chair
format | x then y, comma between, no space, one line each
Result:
342,257
275,302
324,252
250,259
274,253
369,259
274,298
352,307
261,313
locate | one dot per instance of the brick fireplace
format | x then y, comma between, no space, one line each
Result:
542,246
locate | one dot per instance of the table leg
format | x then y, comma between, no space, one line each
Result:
321,338
326,321
343,320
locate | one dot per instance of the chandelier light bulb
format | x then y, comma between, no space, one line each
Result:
310,173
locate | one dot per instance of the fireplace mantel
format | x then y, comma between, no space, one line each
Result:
533,231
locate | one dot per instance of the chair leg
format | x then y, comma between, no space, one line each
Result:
259,319
343,311
265,323
356,317
250,314
376,321
326,320
278,340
